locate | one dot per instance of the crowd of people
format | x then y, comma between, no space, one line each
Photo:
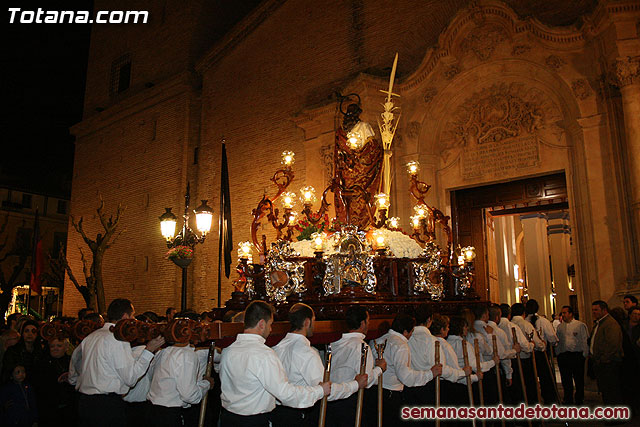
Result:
101,381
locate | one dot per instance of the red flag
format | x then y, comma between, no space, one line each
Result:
37,260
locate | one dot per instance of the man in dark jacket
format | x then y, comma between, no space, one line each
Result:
606,353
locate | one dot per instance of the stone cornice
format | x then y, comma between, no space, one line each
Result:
181,83
239,32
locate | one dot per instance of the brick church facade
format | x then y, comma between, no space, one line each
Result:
160,97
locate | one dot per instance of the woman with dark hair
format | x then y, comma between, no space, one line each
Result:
27,352
547,333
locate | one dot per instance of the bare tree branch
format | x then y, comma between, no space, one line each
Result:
85,270
113,241
80,230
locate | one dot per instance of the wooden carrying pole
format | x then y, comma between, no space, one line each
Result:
465,355
203,404
552,371
498,374
535,371
520,371
437,360
363,369
476,350
380,352
327,374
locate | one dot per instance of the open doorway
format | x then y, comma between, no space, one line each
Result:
522,234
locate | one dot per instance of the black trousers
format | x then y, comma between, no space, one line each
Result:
164,416
392,401
571,364
343,412
101,410
608,378
229,419
421,396
547,387
284,416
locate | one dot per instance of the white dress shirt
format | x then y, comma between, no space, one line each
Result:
527,329
573,337
505,352
399,372
345,359
545,329
456,344
138,393
450,359
422,346
101,364
505,325
303,365
252,378
177,381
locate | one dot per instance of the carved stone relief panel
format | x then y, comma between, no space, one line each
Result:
429,94
625,71
554,62
497,130
483,41
451,72
581,89
520,49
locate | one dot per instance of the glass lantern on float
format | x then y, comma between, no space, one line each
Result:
288,158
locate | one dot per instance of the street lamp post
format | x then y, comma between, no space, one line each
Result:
186,237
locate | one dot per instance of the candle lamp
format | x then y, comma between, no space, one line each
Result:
244,252
288,200
421,211
415,221
288,158
293,217
393,222
413,167
308,195
469,253
382,201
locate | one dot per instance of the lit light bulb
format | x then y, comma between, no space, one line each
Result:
382,200
413,167
288,158
307,195
393,222
288,200
415,221
355,140
421,210
318,241
245,250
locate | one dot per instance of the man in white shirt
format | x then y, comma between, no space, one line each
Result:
572,351
521,346
103,369
484,333
399,372
422,350
176,383
547,333
304,367
517,317
345,365
252,376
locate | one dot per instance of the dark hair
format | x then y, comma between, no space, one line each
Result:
634,308
82,313
355,315
494,311
505,309
620,314
298,313
439,322
532,308
32,323
456,325
94,317
569,308
424,312
403,322
169,310
603,305
12,317
632,298
118,308
256,311
479,311
517,309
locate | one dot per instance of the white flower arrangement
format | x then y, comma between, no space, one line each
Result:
399,244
